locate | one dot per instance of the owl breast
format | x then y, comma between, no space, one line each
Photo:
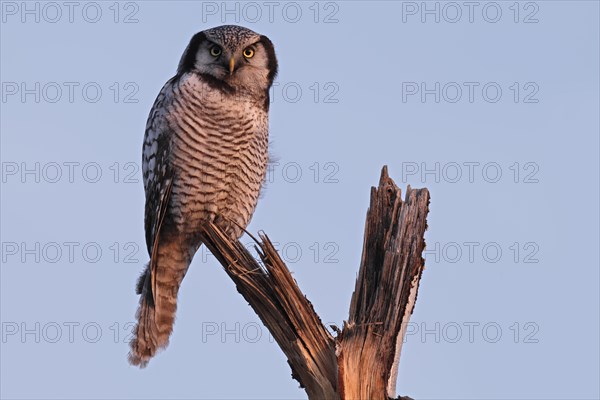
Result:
219,155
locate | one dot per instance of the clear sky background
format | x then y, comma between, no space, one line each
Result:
494,108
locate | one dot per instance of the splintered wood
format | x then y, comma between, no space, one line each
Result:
385,293
362,362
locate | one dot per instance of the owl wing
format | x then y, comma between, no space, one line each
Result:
156,167
158,181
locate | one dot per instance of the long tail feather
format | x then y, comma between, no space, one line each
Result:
156,312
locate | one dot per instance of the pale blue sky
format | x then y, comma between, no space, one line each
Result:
509,301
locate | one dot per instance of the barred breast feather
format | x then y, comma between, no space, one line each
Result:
220,151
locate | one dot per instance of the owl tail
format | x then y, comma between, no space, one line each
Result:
158,287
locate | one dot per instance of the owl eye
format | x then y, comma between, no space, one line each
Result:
248,53
215,51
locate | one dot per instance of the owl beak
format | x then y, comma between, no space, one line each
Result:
231,65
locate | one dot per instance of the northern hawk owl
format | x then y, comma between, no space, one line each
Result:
204,159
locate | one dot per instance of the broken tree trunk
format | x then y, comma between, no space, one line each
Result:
362,361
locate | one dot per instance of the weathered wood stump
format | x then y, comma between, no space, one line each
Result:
362,361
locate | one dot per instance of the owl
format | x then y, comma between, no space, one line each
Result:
204,160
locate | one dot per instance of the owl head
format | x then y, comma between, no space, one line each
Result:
231,54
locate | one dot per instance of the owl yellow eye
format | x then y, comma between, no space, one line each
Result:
215,51
248,53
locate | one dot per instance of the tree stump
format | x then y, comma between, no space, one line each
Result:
362,361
